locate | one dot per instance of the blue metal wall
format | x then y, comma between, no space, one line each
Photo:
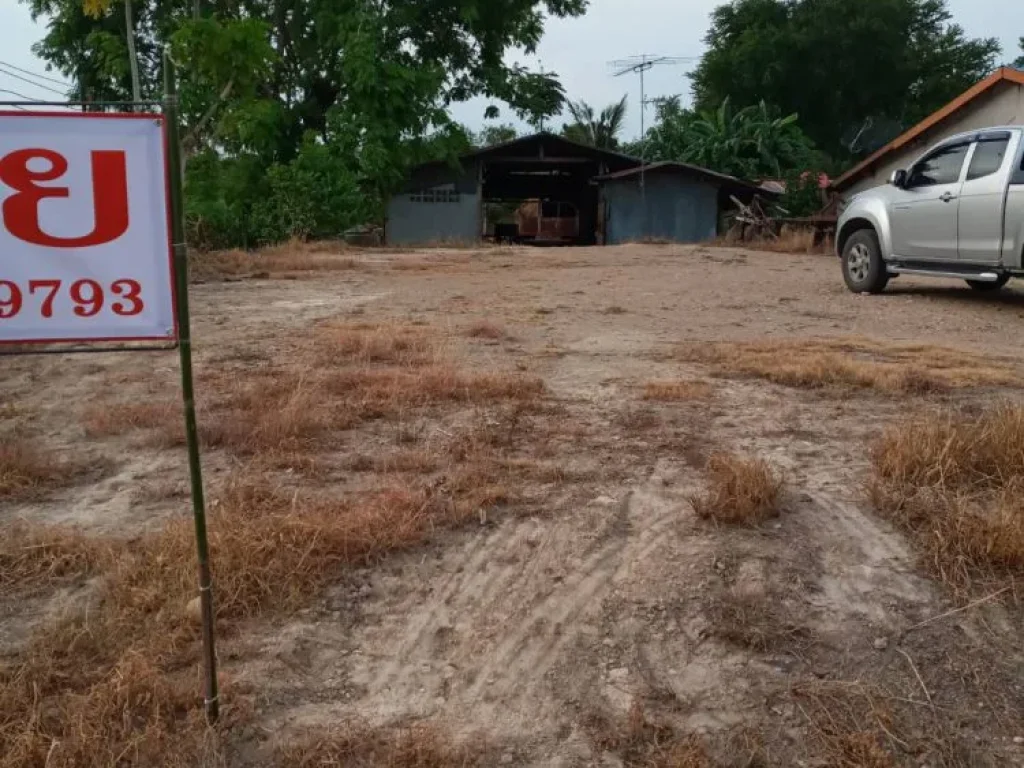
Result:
438,204
678,208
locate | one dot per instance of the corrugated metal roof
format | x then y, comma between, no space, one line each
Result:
547,136
693,170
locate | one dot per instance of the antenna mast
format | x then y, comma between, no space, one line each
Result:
639,65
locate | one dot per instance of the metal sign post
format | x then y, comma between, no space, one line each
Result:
180,255
93,257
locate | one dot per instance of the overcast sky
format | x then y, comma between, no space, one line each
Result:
579,50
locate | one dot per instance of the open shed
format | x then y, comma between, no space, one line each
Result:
545,188
440,202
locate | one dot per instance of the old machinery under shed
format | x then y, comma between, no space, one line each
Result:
546,189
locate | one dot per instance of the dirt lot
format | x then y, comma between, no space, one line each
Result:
541,422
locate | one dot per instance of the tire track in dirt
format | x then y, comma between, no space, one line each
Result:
504,608
529,652
461,582
867,564
535,659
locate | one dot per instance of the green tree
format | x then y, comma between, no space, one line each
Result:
751,143
274,90
598,130
1020,61
362,56
496,134
838,63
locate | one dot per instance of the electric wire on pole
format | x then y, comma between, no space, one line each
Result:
16,76
36,75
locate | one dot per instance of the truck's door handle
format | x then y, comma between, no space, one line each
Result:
948,197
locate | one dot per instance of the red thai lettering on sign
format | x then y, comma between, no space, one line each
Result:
20,211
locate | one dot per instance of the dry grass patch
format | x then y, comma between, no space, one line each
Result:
348,375
678,390
26,470
791,239
107,420
414,460
118,682
796,240
293,257
281,413
355,745
739,490
438,261
955,483
379,392
269,414
392,343
851,724
759,621
34,556
639,742
135,650
485,329
852,363
860,724
637,419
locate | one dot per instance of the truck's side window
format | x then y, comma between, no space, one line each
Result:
940,167
1018,175
988,158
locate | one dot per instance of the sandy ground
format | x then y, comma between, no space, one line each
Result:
526,629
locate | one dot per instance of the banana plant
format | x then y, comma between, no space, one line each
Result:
753,142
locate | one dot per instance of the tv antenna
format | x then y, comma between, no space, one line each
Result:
639,65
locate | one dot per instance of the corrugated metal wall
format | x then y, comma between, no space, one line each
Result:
679,209
437,204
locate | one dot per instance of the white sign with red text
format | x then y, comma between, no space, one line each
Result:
84,243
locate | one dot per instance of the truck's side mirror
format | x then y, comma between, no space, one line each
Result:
898,179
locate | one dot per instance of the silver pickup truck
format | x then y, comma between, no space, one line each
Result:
956,212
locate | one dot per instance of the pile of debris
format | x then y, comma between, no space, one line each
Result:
751,223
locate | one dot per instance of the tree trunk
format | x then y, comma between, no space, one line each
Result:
133,59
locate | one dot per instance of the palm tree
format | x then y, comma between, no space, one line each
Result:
601,130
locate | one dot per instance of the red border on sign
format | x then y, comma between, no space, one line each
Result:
167,205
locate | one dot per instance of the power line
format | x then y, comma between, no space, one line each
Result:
31,103
37,85
34,74
15,93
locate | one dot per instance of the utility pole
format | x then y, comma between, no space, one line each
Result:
133,58
541,123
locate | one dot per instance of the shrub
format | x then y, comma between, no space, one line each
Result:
739,490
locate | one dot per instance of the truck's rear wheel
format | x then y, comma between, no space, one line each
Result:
982,285
863,268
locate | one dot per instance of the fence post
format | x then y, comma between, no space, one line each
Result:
180,253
